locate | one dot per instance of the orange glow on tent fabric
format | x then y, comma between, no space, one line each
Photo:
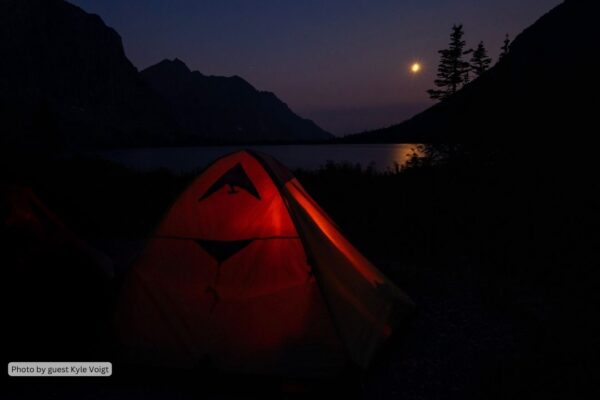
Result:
325,224
232,276
225,216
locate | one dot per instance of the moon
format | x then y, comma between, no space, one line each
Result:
415,68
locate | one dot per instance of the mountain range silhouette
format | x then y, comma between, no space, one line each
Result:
65,81
225,109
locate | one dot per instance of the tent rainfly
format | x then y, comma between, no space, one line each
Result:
247,274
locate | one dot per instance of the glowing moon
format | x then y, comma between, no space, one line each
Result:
415,68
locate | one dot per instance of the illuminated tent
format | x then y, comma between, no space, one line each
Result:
247,274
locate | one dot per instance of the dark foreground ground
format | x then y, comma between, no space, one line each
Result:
498,253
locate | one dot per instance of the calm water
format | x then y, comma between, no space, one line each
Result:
184,159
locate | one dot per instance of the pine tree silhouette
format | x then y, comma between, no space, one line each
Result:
480,61
505,47
453,70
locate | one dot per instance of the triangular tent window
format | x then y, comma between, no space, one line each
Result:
235,178
222,250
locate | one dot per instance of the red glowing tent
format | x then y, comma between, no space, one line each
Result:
247,274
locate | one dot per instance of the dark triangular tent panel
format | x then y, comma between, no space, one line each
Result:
227,281
235,178
221,250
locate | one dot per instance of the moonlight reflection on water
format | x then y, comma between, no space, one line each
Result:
186,159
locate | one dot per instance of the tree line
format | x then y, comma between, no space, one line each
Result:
455,70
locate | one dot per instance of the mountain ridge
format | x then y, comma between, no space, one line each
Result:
66,82
211,106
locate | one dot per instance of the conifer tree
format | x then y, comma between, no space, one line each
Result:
453,70
505,47
480,61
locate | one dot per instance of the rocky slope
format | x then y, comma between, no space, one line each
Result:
65,79
225,109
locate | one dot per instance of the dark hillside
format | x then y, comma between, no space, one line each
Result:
545,89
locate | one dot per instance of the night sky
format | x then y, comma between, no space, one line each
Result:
343,63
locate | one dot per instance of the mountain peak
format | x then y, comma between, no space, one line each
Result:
87,92
226,109
174,66
90,94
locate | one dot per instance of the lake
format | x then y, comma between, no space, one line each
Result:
186,159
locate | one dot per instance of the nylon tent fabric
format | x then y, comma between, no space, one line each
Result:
247,274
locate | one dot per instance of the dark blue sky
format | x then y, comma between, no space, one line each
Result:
343,63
